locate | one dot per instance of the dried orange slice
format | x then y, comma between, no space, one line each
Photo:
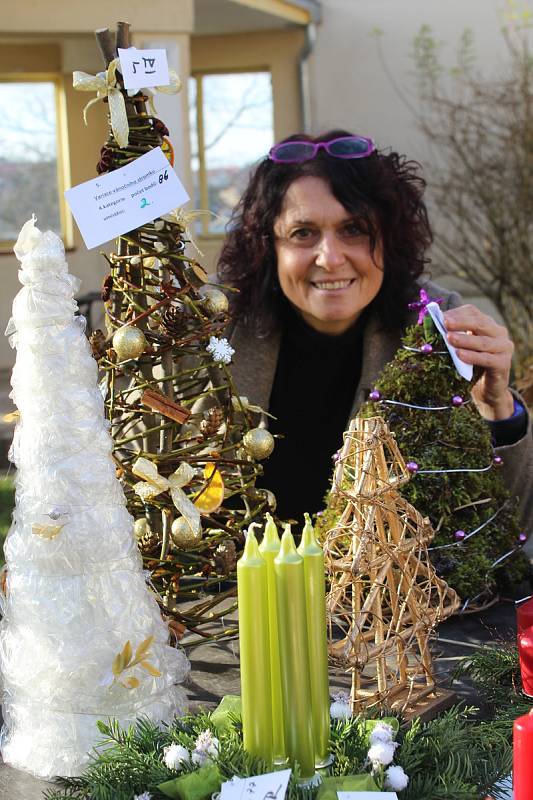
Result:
168,150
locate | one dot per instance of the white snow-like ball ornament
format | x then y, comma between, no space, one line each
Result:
174,756
382,753
381,732
206,748
395,778
220,349
340,708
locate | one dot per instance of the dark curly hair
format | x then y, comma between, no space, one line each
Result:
382,191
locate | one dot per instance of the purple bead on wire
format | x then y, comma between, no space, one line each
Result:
459,535
412,467
497,461
426,348
457,400
522,538
374,395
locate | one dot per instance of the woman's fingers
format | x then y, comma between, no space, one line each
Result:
482,342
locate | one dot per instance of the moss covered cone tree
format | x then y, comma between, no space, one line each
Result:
456,476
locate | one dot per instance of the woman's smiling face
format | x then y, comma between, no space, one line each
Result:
326,267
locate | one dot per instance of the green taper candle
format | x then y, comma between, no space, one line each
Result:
315,592
292,627
256,690
269,549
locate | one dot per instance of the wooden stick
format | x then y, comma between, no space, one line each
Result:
106,43
123,35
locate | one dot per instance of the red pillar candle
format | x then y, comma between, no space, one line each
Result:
523,757
524,616
525,654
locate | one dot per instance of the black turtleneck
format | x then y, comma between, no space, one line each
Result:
312,396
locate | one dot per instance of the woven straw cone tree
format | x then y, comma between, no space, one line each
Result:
385,597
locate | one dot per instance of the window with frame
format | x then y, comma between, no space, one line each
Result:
232,127
31,159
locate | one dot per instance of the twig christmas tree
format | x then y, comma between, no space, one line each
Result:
82,637
169,359
384,598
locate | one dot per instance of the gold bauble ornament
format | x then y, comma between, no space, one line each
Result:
258,442
141,528
182,534
215,301
129,342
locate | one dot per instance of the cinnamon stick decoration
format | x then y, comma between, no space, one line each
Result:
163,405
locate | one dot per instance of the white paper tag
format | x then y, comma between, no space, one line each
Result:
367,795
121,201
143,68
464,370
272,786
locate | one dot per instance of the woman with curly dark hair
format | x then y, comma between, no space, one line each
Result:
327,248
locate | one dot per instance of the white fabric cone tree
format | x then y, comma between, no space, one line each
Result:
82,637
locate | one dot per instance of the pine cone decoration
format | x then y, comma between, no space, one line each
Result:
226,557
172,321
107,285
160,127
106,160
213,419
98,343
148,543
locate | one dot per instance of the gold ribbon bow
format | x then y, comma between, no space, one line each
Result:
47,531
242,403
184,220
105,85
153,484
173,87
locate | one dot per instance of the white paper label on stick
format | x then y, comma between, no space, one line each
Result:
272,786
143,68
464,370
121,201
367,795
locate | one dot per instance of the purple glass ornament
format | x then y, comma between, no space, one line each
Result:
497,461
522,537
459,536
412,467
457,400
426,348
374,395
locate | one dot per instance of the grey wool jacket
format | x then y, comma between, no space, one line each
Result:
254,365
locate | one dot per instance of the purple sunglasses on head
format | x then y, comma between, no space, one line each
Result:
343,147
